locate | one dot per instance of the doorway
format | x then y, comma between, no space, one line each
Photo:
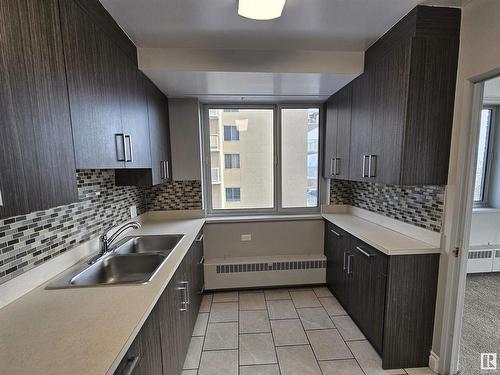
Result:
477,338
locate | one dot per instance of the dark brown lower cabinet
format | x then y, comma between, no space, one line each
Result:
163,341
390,298
144,355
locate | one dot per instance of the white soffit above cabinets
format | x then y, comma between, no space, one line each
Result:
320,40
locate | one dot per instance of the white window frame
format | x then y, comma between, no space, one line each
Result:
277,209
484,202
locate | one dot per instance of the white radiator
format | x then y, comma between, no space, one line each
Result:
264,271
483,260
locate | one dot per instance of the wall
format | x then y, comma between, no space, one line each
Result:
478,59
268,238
485,227
418,205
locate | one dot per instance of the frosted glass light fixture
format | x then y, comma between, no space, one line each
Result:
261,9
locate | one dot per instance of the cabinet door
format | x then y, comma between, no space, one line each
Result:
159,133
368,282
171,334
134,115
337,250
343,133
390,87
361,127
144,355
94,90
36,150
330,138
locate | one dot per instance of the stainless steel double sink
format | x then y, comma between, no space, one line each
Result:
133,260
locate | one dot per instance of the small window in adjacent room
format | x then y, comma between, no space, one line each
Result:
231,161
483,154
233,194
231,133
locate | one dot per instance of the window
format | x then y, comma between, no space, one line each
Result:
231,133
215,176
280,149
299,157
232,194
482,156
231,161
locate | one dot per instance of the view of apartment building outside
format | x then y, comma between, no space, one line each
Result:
242,157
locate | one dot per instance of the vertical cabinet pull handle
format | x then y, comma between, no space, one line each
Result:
162,170
349,264
200,238
185,295
344,266
129,157
131,365
167,169
372,166
337,166
364,165
118,143
332,166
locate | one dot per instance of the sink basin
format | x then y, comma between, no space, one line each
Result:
120,269
147,244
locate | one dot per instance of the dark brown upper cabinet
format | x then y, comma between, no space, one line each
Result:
107,97
402,105
159,140
36,148
337,135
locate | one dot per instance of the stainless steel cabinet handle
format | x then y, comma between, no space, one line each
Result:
372,166
337,166
162,170
202,260
131,365
366,253
349,264
185,296
200,238
117,144
188,296
335,233
166,163
344,267
128,158
202,290
364,165
332,166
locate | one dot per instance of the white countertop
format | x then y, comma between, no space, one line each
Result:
85,330
386,240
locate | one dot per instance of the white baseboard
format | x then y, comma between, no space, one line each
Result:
434,362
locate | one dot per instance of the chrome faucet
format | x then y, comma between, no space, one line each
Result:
106,242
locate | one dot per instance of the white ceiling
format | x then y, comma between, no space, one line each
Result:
342,25
320,25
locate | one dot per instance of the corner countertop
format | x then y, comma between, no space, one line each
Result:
388,241
86,330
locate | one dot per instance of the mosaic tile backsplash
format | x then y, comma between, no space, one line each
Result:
176,195
422,206
29,240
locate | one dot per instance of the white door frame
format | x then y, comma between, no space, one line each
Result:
464,219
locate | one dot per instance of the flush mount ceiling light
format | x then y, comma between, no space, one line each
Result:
261,9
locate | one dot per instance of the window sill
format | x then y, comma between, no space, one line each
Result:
262,218
485,210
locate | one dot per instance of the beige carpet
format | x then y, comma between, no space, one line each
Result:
481,322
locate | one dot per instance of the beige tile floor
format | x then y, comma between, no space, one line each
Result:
287,331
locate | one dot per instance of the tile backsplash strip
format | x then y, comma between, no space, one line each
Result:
29,240
422,206
175,195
